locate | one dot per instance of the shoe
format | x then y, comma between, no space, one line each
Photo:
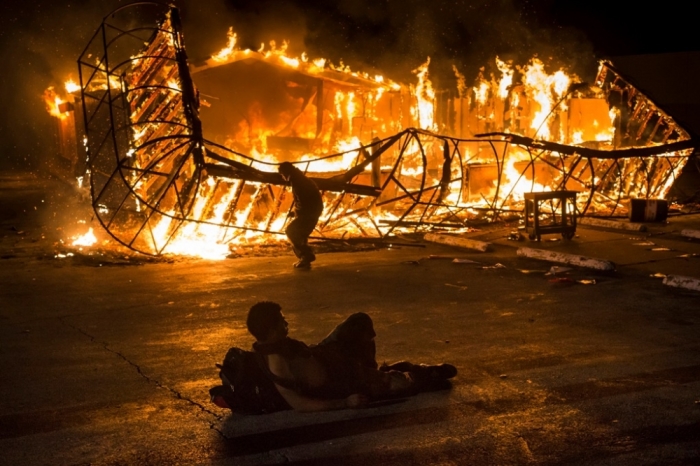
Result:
302,264
423,371
443,371
437,372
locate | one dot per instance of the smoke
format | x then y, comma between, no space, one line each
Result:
393,38
205,25
41,42
390,37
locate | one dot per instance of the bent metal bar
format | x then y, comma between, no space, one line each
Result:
169,167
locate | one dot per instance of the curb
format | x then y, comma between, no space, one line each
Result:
679,281
599,222
457,241
572,259
691,233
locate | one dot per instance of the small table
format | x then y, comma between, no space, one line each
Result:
562,213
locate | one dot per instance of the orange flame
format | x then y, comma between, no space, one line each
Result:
534,103
425,95
53,103
544,89
71,86
88,239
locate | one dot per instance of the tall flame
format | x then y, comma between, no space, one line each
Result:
506,78
525,99
461,82
225,54
425,95
544,89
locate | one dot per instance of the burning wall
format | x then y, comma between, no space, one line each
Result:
183,159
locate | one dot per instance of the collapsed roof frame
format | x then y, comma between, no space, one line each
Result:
153,175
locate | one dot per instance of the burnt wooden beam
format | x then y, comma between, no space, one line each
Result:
374,155
340,183
412,224
595,153
190,101
239,171
319,107
446,171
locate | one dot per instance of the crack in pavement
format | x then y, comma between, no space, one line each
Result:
156,382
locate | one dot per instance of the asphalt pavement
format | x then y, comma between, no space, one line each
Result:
106,358
656,248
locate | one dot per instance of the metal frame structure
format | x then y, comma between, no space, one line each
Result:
153,174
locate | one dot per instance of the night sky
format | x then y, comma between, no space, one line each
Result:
40,41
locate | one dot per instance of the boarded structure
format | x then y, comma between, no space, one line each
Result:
181,154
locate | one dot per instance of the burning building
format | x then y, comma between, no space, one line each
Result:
183,159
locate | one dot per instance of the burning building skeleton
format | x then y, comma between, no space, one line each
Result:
183,159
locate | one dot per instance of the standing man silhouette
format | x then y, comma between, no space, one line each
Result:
307,208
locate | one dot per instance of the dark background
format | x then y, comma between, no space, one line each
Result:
40,41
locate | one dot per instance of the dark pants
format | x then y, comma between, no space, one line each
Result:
298,232
354,339
348,354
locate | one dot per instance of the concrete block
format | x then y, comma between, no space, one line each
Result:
678,281
691,233
457,241
613,224
563,258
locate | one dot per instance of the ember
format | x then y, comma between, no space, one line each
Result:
182,159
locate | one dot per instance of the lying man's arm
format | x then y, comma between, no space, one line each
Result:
305,404
307,372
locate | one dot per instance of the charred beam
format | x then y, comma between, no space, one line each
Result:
189,96
242,172
594,153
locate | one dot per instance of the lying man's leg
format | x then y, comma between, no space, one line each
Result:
426,377
354,339
385,384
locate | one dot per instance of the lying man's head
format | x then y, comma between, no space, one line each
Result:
265,320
